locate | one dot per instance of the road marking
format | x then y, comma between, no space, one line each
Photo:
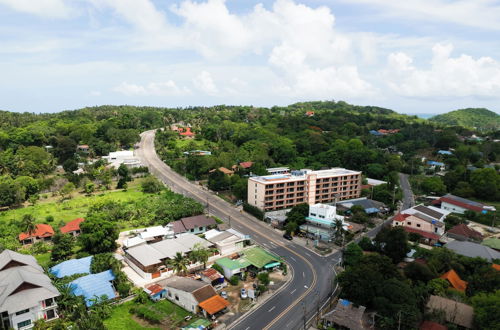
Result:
307,254
303,274
289,324
272,308
293,291
293,258
247,328
305,286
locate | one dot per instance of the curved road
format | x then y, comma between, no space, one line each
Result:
312,275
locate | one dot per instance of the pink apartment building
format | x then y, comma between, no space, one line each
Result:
283,191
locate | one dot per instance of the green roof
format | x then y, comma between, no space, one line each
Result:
259,257
198,323
493,243
232,264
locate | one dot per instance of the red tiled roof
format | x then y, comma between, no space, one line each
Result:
309,113
461,204
422,233
495,266
400,217
211,273
246,164
73,225
225,170
186,132
42,230
429,325
456,282
214,304
155,289
464,230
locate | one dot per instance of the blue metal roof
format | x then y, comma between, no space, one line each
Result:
445,152
71,267
94,285
371,210
431,162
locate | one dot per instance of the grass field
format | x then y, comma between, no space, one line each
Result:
72,208
121,318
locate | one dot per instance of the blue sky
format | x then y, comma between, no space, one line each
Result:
413,56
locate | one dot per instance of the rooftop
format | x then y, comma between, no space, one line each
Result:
41,230
463,230
94,285
73,225
456,282
466,203
493,243
232,264
259,257
346,315
455,312
72,267
470,249
214,304
302,175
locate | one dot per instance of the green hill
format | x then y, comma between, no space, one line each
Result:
480,118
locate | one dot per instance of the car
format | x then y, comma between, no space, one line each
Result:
287,236
243,293
223,294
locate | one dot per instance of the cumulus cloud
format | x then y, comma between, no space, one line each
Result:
205,83
42,8
168,88
446,76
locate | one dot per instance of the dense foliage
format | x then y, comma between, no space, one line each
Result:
480,118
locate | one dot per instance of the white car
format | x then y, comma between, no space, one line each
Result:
243,293
223,294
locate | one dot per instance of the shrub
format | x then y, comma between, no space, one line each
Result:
147,314
263,278
218,268
256,212
234,280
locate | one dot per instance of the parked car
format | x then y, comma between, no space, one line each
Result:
243,294
287,236
223,294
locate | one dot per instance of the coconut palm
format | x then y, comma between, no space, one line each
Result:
28,224
179,263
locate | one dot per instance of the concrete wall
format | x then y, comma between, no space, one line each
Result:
452,208
185,300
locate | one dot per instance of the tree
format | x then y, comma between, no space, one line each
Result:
486,183
89,188
11,193
393,242
218,181
104,261
179,263
200,254
419,272
366,244
28,224
151,185
433,185
98,235
124,172
62,246
486,307
66,190
70,165
291,227
352,254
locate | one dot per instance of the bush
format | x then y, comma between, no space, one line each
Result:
256,212
218,268
234,280
263,278
151,185
49,218
147,314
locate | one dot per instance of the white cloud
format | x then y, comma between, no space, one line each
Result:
95,93
205,83
42,8
447,76
168,88
482,14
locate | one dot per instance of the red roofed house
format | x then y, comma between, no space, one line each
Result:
456,282
310,113
429,325
246,165
83,148
42,232
462,232
72,227
186,132
457,204
417,223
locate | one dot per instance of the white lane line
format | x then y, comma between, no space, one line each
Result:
272,308
305,286
307,254
303,275
247,328
293,291
289,324
293,258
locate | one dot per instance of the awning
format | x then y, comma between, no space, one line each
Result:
214,304
271,265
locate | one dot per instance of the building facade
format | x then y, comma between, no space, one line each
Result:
283,191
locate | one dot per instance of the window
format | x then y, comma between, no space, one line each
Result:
200,228
192,230
418,225
177,297
24,323
408,223
50,314
313,214
23,311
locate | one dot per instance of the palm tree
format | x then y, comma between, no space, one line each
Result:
201,254
28,224
339,229
179,263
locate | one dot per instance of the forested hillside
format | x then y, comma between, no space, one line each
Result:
482,119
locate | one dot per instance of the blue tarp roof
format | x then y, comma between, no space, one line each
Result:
71,267
371,210
94,285
445,152
431,162
373,132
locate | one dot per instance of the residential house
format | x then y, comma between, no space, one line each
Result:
322,221
226,171
72,227
94,286
126,157
152,260
186,132
459,205
246,165
72,267
438,166
444,153
26,293
156,292
473,250
283,191
225,241
370,206
455,281
454,312
213,305
261,259
197,224
83,148
346,315
430,325
232,267
42,233
213,277
198,153
462,232
427,221
309,114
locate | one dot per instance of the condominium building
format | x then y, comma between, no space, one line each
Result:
283,191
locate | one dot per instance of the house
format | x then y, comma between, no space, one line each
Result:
462,232
426,221
197,224
345,315
260,259
198,153
155,292
375,133
225,241
438,166
309,114
72,267
152,260
246,165
42,233
26,293
156,233
322,221
226,171
455,281
232,267
457,204
374,182
429,325
444,152
493,243
213,277
454,312
94,286
125,157
72,227
370,206
84,148
213,305
186,132
186,292
473,250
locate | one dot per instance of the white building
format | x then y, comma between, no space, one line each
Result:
26,293
225,241
126,157
322,221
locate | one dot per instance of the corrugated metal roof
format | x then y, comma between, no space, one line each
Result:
94,285
71,267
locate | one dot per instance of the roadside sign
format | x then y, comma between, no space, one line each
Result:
251,293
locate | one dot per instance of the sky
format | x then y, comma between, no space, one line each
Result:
412,56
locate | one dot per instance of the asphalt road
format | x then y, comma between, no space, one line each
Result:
312,280
408,198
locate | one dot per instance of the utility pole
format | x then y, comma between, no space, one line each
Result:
229,221
208,207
